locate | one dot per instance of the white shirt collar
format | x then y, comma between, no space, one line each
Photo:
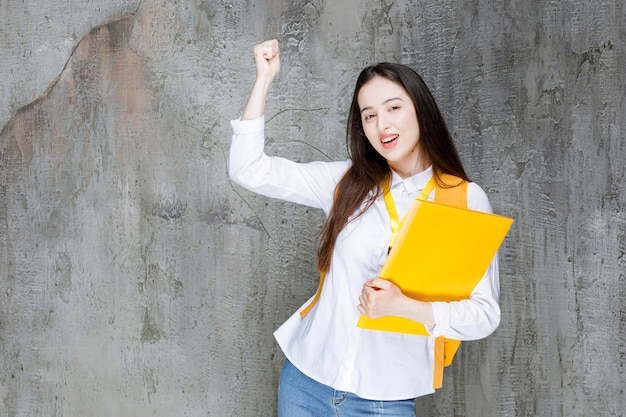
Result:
412,184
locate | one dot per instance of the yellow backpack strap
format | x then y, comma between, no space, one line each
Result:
316,298
452,191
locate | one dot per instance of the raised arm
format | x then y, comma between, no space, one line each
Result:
311,184
267,62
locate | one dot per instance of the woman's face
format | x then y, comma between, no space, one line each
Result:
390,124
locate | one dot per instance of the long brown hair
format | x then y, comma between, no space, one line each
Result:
362,183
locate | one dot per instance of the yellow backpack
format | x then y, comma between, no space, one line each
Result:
452,191
449,190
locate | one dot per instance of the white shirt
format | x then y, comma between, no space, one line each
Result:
326,344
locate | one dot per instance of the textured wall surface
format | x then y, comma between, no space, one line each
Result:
135,280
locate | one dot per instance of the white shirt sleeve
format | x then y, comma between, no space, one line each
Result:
478,316
311,184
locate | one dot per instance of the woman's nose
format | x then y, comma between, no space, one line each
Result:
383,123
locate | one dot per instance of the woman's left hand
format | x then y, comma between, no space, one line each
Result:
379,297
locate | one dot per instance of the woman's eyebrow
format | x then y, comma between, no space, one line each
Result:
383,103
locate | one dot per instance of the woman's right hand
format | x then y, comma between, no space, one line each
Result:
267,60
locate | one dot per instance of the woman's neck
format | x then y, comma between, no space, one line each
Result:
408,170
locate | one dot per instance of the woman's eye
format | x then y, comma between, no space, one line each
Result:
394,108
368,117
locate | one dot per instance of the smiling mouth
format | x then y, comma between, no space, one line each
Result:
389,140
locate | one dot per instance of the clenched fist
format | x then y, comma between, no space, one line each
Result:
266,58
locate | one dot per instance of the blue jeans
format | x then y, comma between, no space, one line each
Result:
301,396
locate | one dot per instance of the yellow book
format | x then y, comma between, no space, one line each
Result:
440,254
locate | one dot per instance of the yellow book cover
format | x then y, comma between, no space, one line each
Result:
440,254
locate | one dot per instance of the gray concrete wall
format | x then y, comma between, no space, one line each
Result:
136,280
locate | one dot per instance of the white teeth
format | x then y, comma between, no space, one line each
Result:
390,138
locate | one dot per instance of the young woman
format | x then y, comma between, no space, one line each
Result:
397,140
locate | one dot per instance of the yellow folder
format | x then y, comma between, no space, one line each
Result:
440,254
